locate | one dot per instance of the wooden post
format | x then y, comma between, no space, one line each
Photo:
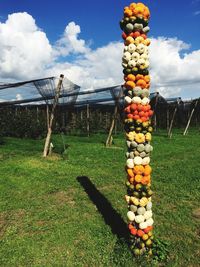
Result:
167,118
47,113
171,124
57,94
88,120
37,111
113,122
109,138
190,117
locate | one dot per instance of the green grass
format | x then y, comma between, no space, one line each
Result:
47,218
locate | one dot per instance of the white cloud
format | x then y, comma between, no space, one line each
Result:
69,42
25,49
26,53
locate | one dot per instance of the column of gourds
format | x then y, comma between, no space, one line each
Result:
137,125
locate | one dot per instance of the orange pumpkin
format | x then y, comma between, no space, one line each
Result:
130,77
138,169
129,85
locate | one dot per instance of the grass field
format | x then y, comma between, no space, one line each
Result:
71,212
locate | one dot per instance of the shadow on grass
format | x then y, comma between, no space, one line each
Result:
110,215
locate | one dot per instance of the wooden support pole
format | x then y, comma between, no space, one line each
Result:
190,117
113,122
167,118
109,138
171,124
88,120
48,138
47,113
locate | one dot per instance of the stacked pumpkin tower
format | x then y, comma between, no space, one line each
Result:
137,124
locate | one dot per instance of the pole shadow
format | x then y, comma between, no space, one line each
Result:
109,214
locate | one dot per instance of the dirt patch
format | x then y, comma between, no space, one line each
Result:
196,213
62,197
10,218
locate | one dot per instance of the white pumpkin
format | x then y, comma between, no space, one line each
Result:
135,56
145,56
137,91
136,100
139,218
133,208
131,216
127,100
146,161
145,101
143,225
149,205
128,143
124,64
131,63
146,29
140,48
131,48
138,26
126,56
148,214
149,222
146,64
138,160
140,147
127,154
130,163
145,93
141,211
140,62
131,155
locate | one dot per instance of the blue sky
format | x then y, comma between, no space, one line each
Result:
82,39
99,19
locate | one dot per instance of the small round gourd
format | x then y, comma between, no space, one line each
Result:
133,208
131,63
131,155
127,100
143,225
133,144
126,56
140,48
136,153
141,211
139,218
127,154
137,91
135,56
145,101
129,27
148,214
136,100
145,93
149,205
150,222
130,163
147,148
138,160
146,161
131,216
143,154
140,148
138,26
128,143
131,48
146,29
